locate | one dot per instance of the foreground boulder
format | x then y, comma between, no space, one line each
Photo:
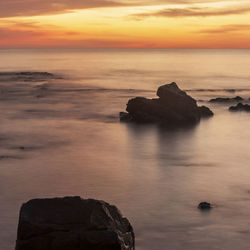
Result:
72,223
173,107
240,107
227,99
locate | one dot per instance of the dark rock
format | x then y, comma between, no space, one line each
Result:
124,116
205,111
72,223
173,107
222,99
204,206
240,107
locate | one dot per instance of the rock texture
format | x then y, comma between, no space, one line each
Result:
173,107
240,107
227,99
72,223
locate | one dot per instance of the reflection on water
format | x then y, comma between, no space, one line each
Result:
61,136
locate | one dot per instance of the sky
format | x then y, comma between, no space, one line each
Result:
124,24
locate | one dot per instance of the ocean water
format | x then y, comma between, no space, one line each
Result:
60,135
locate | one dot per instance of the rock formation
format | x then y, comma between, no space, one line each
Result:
173,108
240,107
72,223
227,99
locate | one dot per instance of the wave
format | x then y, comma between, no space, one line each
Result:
63,88
219,90
27,76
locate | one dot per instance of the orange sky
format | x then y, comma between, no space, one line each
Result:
125,23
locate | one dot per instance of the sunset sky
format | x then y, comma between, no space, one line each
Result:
124,24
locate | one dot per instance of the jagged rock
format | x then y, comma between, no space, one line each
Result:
222,99
240,107
72,223
173,107
204,205
205,111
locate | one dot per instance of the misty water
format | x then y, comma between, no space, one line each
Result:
60,135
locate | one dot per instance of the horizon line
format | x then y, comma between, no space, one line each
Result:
123,48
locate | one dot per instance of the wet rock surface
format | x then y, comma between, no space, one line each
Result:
173,108
226,99
72,223
240,107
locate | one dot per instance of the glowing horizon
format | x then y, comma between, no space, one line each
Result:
127,24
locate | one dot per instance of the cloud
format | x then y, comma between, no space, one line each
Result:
43,39
17,30
174,2
13,8
226,29
192,12
23,34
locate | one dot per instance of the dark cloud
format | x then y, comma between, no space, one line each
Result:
226,29
14,8
11,8
193,12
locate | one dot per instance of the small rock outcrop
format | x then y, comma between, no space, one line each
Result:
173,108
204,206
227,99
72,223
205,111
125,117
240,107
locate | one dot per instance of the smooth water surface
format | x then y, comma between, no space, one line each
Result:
60,135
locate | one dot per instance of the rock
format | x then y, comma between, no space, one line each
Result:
124,116
240,107
205,111
204,206
222,99
72,223
173,108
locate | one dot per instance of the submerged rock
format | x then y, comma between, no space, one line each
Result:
222,99
240,107
173,107
72,223
204,205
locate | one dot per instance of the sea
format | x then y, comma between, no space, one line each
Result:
60,135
